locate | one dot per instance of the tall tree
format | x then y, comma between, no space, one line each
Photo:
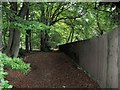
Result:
14,34
48,21
28,36
52,13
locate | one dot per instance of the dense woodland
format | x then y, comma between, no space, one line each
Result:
43,26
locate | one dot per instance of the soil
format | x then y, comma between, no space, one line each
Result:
51,70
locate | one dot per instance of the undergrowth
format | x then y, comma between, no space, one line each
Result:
14,64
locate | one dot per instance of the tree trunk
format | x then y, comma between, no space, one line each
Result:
0,40
28,36
98,24
44,33
13,43
30,44
44,41
14,50
28,41
4,39
11,32
69,37
72,36
14,35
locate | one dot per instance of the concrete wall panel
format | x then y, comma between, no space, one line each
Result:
98,57
112,70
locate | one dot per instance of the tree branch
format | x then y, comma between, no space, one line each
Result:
68,17
97,17
24,9
58,11
59,6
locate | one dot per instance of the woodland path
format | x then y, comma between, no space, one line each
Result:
51,70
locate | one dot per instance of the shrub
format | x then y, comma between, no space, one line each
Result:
15,64
3,82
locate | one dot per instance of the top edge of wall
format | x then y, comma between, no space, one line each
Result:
117,28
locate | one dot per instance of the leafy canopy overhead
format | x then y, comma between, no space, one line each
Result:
65,21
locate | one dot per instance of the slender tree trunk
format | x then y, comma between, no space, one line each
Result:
4,38
11,32
28,36
72,36
69,37
42,40
28,41
42,33
98,23
0,40
47,47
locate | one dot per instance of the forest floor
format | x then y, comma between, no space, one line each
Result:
51,70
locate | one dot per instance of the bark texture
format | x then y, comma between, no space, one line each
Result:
14,34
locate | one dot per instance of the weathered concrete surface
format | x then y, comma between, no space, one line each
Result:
99,57
119,60
112,63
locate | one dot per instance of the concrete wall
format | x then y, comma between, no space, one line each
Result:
99,57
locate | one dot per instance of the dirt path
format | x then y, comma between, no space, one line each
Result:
51,70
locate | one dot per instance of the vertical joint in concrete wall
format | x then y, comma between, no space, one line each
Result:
108,53
102,51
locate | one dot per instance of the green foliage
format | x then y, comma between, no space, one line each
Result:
15,64
59,18
81,15
23,25
4,83
55,38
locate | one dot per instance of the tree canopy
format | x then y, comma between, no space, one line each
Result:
45,25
